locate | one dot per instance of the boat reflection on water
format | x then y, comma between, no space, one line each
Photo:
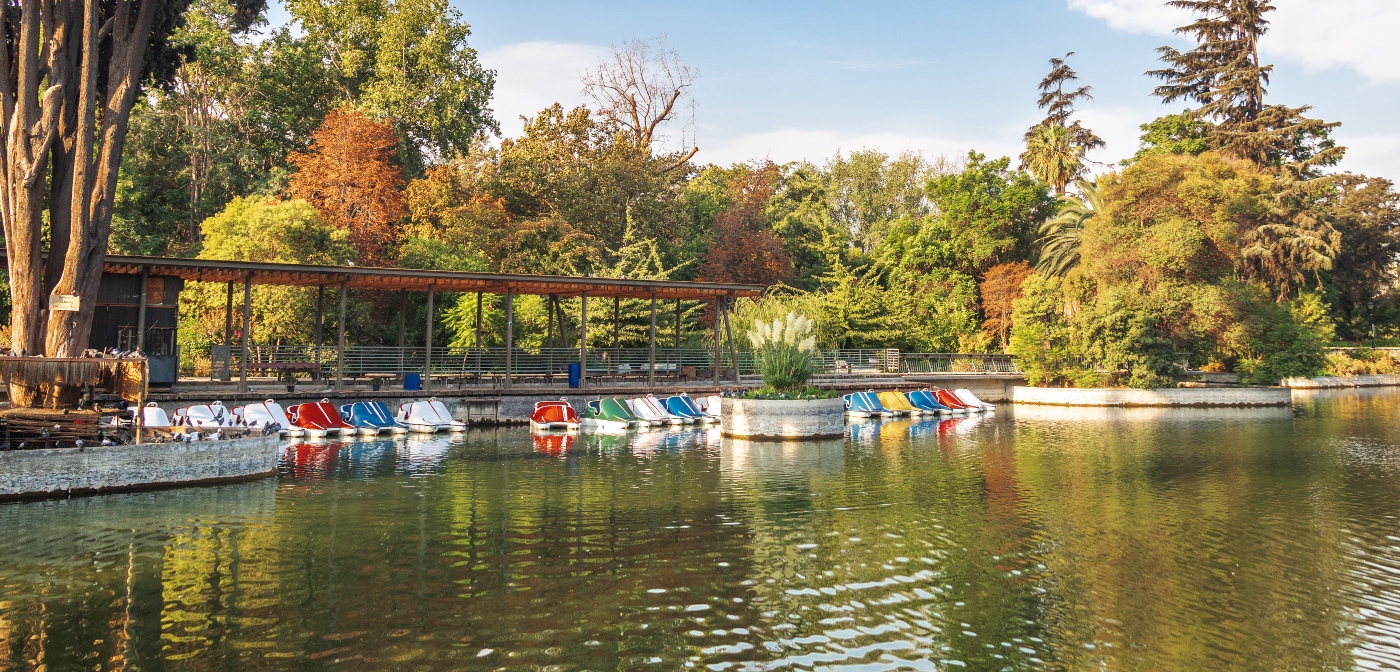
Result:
310,460
424,452
554,443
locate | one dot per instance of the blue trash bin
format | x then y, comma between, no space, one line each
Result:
575,374
412,381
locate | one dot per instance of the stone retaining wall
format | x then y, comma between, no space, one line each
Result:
69,471
1180,396
1329,382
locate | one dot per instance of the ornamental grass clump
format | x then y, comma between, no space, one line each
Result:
784,352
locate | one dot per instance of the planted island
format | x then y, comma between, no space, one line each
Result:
786,407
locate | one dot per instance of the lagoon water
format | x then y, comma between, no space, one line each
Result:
1036,539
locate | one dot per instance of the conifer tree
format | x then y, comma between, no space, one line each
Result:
1225,76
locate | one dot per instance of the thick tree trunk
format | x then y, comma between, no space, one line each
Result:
94,185
28,125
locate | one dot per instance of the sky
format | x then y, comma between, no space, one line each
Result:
789,81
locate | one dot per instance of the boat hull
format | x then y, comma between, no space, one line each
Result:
554,426
605,426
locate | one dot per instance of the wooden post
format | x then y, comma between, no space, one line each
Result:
428,343
320,324
678,336
715,368
733,349
651,370
477,342
340,339
141,311
549,335
228,317
403,322
617,325
510,330
247,317
583,341
617,319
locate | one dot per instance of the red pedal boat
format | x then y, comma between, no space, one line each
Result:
320,419
554,416
951,401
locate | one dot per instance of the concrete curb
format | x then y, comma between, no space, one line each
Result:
1330,382
57,472
1179,396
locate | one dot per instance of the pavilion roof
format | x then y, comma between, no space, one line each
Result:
361,277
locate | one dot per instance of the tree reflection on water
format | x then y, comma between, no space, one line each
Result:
1036,538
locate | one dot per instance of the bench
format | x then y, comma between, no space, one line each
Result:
309,367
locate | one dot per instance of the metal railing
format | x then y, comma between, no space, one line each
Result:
480,363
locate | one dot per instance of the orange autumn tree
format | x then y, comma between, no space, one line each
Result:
745,248
1001,286
348,176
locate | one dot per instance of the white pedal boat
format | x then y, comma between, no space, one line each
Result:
205,416
967,397
264,414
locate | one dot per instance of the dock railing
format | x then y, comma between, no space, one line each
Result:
549,365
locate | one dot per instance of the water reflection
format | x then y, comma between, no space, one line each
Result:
1173,540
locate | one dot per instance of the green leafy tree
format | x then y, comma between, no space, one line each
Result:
803,219
985,214
408,62
264,230
1360,285
1184,133
1170,263
867,192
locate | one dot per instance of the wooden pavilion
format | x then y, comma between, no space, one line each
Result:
344,278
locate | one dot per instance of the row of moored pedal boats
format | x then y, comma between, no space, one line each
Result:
894,403
615,414
312,419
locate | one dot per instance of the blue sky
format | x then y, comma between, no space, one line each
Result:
789,80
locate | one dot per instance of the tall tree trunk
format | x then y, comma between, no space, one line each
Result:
29,125
95,184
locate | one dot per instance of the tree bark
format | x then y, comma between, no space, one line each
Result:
30,121
94,182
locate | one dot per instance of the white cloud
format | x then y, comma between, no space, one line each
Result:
531,76
1119,127
1133,16
1356,34
1317,34
1377,155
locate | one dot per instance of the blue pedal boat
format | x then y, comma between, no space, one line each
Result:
683,406
925,401
367,415
866,405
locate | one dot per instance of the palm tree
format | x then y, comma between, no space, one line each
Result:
1059,237
1053,156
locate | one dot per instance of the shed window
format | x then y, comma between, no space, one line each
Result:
159,340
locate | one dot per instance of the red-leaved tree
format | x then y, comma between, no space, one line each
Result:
348,176
745,248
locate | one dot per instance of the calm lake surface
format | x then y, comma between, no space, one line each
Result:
1037,539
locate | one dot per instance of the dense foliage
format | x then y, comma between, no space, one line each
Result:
1168,271
362,133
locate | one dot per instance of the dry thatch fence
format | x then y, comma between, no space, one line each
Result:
54,382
